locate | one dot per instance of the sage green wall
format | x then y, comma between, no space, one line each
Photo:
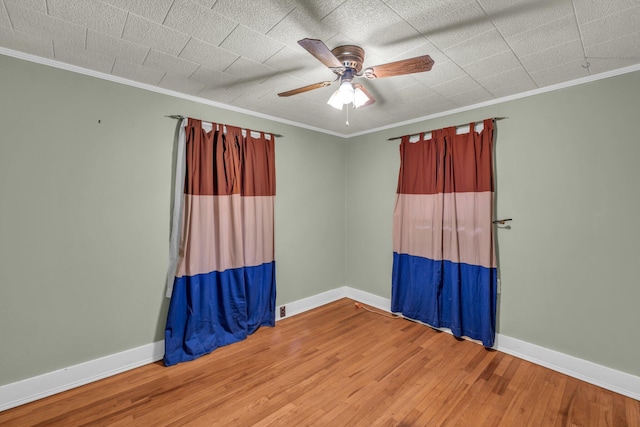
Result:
85,189
84,220
567,173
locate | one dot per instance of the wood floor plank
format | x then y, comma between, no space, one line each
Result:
337,365
557,387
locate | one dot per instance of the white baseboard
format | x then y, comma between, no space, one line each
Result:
30,389
602,376
306,304
34,388
50,383
376,301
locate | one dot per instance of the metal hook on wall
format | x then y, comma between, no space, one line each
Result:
502,221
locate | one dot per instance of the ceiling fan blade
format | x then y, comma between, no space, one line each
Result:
398,68
322,53
304,89
366,92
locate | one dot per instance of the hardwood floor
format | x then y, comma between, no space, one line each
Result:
337,366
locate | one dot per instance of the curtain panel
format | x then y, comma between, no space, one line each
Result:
223,288
444,264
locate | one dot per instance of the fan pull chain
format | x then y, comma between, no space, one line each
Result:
347,115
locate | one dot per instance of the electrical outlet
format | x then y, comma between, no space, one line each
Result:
283,311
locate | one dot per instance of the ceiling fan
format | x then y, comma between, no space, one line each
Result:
346,62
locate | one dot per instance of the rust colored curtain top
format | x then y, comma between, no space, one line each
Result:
222,163
461,167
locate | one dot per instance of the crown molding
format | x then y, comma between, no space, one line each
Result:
110,77
151,88
534,92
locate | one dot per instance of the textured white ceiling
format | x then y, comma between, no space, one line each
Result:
243,52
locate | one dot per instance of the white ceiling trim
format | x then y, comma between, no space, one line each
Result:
151,88
508,98
157,89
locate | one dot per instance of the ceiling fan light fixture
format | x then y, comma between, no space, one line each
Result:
335,101
359,98
346,92
344,95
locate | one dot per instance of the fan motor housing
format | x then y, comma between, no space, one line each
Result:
350,56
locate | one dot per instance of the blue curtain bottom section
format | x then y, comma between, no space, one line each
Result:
446,294
211,310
